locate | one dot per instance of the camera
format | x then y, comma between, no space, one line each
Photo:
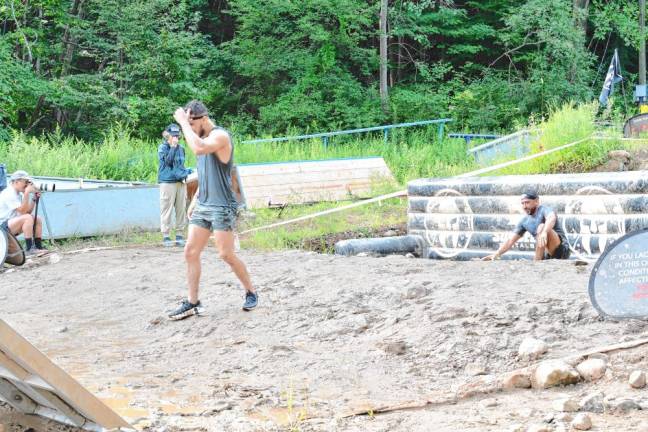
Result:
45,187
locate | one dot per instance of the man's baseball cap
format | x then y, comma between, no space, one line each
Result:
20,175
173,130
530,194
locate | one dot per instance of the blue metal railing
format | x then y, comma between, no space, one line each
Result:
325,135
469,136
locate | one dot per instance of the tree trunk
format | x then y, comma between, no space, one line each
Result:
581,11
384,93
68,40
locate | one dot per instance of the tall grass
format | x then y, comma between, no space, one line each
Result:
410,153
118,156
121,156
566,124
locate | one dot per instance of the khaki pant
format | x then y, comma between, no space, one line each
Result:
173,195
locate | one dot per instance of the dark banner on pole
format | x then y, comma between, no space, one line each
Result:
612,77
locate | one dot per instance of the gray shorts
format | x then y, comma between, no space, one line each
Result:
214,218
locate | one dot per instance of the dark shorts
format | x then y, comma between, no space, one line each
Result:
562,251
214,218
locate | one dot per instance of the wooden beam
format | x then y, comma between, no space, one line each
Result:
16,370
70,391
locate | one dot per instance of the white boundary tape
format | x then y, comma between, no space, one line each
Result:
404,192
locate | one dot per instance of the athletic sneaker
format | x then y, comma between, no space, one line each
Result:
180,241
167,242
185,310
35,252
251,301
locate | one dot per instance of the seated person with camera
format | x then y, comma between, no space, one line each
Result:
16,206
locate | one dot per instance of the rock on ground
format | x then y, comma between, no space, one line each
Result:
592,369
553,373
581,422
531,348
637,379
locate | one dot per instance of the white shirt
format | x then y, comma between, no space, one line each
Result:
10,200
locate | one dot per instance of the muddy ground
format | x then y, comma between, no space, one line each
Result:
333,336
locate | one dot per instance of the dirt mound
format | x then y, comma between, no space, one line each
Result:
333,337
623,160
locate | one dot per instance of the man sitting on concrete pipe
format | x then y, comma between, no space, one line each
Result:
542,223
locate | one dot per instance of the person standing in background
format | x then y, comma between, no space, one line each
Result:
173,190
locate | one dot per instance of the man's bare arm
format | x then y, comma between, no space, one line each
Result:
550,223
504,248
216,141
27,205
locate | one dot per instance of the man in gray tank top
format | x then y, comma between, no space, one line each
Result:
216,207
542,223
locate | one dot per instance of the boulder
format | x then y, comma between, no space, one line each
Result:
517,379
531,349
592,369
581,422
554,373
593,403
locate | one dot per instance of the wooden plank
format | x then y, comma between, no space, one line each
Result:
311,166
344,187
325,176
32,380
263,171
16,370
17,347
320,193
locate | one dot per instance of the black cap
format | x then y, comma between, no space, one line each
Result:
173,130
530,194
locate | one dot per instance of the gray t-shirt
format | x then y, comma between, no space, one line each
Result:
530,223
215,180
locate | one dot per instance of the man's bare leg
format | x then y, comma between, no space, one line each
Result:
224,241
23,224
553,241
196,242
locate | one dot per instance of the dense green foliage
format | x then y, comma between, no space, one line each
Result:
267,66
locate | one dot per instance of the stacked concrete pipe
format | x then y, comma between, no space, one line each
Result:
469,218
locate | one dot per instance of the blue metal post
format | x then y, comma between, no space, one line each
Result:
441,125
385,135
325,142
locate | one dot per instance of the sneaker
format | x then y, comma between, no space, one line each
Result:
35,252
185,310
179,241
167,242
251,301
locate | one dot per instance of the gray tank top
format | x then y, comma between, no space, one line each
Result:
215,179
